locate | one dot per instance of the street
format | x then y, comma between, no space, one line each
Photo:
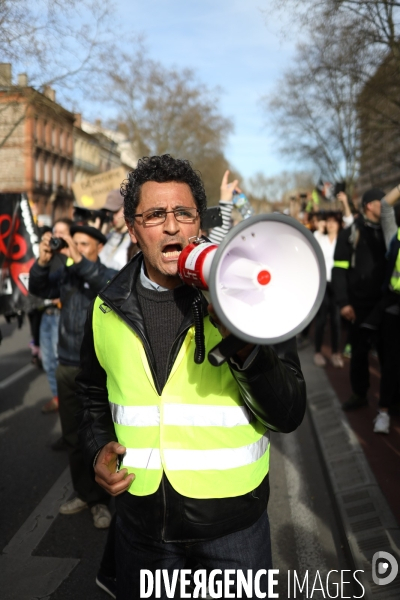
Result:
48,555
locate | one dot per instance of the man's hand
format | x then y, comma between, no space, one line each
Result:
227,188
240,355
73,251
45,253
106,470
394,194
348,313
341,196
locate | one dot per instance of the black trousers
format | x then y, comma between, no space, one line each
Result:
390,369
69,405
35,316
328,307
361,341
108,565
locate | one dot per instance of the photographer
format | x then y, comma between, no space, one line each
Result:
76,284
49,323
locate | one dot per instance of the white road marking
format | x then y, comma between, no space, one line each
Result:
29,399
16,376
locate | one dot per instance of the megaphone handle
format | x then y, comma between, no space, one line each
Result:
225,349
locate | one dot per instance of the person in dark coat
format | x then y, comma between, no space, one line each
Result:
76,284
357,277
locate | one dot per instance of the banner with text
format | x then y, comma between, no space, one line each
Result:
91,193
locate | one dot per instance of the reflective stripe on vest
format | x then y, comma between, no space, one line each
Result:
200,460
199,431
395,278
135,416
196,415
341,264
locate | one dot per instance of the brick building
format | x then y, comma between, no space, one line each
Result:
379,128
113,142
94,151
44,148
36,143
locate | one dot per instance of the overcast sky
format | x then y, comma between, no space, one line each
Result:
229,43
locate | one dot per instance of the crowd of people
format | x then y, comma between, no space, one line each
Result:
360,250
184,447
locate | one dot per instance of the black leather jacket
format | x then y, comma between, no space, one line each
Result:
76,286
272,387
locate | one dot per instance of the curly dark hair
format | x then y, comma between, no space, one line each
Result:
161,169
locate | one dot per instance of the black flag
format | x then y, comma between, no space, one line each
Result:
19,248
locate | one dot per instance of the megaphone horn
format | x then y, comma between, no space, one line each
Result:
266,280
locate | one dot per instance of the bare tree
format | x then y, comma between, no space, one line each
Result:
166,110
368,31
57,43
277,187
376,20
313,111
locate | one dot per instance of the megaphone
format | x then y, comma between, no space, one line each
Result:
266,280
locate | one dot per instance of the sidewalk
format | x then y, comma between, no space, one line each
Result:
382,451
357,461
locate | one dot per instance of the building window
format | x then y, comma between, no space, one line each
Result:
54,175
47,171
38,174
53,137
63,175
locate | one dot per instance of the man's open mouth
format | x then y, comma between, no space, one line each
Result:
172,250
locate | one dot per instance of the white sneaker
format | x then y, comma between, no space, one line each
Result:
337,361
319,360
72,506
101,516
382,422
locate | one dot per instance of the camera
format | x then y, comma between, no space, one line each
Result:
85,215
57,244
340,186
211,218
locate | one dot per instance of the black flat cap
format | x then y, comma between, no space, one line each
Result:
91,231
371,195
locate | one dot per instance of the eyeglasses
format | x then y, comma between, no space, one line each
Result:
156,216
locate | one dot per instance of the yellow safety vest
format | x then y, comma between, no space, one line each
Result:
199,431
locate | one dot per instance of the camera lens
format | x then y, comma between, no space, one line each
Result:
57,244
